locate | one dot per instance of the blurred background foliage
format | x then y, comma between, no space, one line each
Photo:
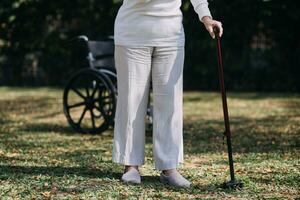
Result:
261,47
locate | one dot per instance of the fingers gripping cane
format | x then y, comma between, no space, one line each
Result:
232,184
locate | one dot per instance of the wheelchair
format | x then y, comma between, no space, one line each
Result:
90,94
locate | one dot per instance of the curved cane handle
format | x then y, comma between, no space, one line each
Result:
216,31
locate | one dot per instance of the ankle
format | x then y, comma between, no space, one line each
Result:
128,167
168,171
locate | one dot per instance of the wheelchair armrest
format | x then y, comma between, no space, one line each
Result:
83,37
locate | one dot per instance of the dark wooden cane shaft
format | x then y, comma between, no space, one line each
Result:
225,108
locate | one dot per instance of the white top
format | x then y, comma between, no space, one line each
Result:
153,22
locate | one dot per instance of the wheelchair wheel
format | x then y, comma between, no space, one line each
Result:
111,73
89,101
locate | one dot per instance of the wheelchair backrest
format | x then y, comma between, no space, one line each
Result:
102,51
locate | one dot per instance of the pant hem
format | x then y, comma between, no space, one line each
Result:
172,165
117,158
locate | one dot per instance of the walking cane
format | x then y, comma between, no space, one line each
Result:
233,183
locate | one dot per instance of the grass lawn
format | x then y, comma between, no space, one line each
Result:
41,157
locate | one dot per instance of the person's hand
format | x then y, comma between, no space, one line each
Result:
210,24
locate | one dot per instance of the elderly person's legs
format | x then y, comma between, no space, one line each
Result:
167,74
133,65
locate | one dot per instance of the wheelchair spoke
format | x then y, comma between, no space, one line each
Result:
78,93
106,103
102,113
87,91
105,100
93,118
82,116
94,91
106,97
77,105
100,110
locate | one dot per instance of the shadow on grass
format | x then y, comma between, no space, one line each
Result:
237,95
9,170
287,179
48,127
261,96
204,136
26,105
248,135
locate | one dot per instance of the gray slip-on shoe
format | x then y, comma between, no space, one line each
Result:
175,179
131,176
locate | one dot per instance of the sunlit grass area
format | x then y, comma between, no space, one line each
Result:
41,157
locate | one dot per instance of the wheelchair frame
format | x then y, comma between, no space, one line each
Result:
93,89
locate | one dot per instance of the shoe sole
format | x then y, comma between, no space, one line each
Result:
131,182
165,181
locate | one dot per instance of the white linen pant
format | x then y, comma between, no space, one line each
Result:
134,67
